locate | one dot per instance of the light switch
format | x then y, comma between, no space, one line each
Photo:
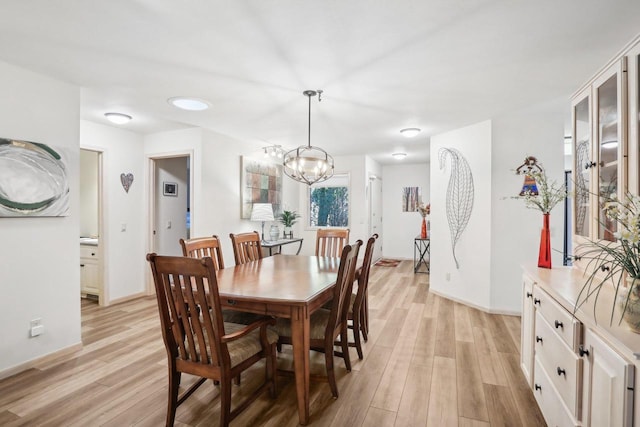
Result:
123,227
168,224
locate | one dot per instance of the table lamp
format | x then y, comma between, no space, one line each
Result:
262,212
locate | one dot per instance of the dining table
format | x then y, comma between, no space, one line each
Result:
287,286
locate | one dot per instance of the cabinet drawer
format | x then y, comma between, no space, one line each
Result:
88,252
563,322
560,363
549,401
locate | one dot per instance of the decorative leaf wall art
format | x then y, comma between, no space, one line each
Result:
459,195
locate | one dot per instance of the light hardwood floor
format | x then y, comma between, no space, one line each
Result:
429,362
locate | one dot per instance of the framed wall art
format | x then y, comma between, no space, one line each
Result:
170,189
33,180
260,182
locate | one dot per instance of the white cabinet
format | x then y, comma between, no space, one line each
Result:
556,335
599,141
608,384
526,335
90,283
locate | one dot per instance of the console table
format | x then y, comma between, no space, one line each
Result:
271,244
421,255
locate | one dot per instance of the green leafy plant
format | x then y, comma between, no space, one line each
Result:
609,262
288,218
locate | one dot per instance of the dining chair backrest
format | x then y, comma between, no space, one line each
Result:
246,247
190,314
363,277
330,241
200,247
342,289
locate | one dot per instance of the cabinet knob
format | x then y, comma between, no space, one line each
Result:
538,339
537,387
536,301
81,265
561,371
605,268
93,254
529,294
590,165
559,324
582,351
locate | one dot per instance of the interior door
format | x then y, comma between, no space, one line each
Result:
375,213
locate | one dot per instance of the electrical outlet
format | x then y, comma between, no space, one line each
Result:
37,328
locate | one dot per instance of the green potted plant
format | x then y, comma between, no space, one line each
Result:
288,218
616,264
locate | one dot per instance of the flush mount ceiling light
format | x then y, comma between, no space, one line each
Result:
273,151
189,104
409,132
308,164
399,156
118,118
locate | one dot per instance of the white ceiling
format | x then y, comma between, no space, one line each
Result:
383,65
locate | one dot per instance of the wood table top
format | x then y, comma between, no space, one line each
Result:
280,278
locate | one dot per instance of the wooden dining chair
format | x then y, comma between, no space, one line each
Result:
358,304
246,247
197,340
200,247
327,324
330,241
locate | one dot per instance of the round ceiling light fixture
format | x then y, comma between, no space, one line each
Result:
118,118
399,156
189,104
409,132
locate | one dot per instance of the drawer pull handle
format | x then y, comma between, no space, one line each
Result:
81,265
559,324
561,371
537,387
583,352
529,294
590,165
538,339
605,268
536,301
231,302
93,254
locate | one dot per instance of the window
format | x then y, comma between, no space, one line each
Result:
329,202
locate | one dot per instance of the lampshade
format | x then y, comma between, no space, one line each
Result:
262,212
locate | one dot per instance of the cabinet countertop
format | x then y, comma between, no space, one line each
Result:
564,285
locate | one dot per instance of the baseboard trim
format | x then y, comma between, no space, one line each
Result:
128,298
486,310
39,360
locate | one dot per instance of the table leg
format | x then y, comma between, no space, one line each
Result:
300,340
299,247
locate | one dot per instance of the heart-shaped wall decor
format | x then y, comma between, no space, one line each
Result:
126,180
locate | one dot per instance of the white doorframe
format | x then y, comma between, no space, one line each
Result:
375,213
103,243
151,201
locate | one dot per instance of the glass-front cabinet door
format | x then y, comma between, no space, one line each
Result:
633,143
609,144
584,164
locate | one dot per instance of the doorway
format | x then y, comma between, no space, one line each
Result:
92,237
375,213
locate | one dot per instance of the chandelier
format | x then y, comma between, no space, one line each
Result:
308,164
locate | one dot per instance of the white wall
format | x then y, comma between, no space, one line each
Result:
88,193
400,228
40,272
171,211
123,251
537,131
471,281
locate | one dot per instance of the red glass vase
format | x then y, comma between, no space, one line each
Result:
544,257
423,230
